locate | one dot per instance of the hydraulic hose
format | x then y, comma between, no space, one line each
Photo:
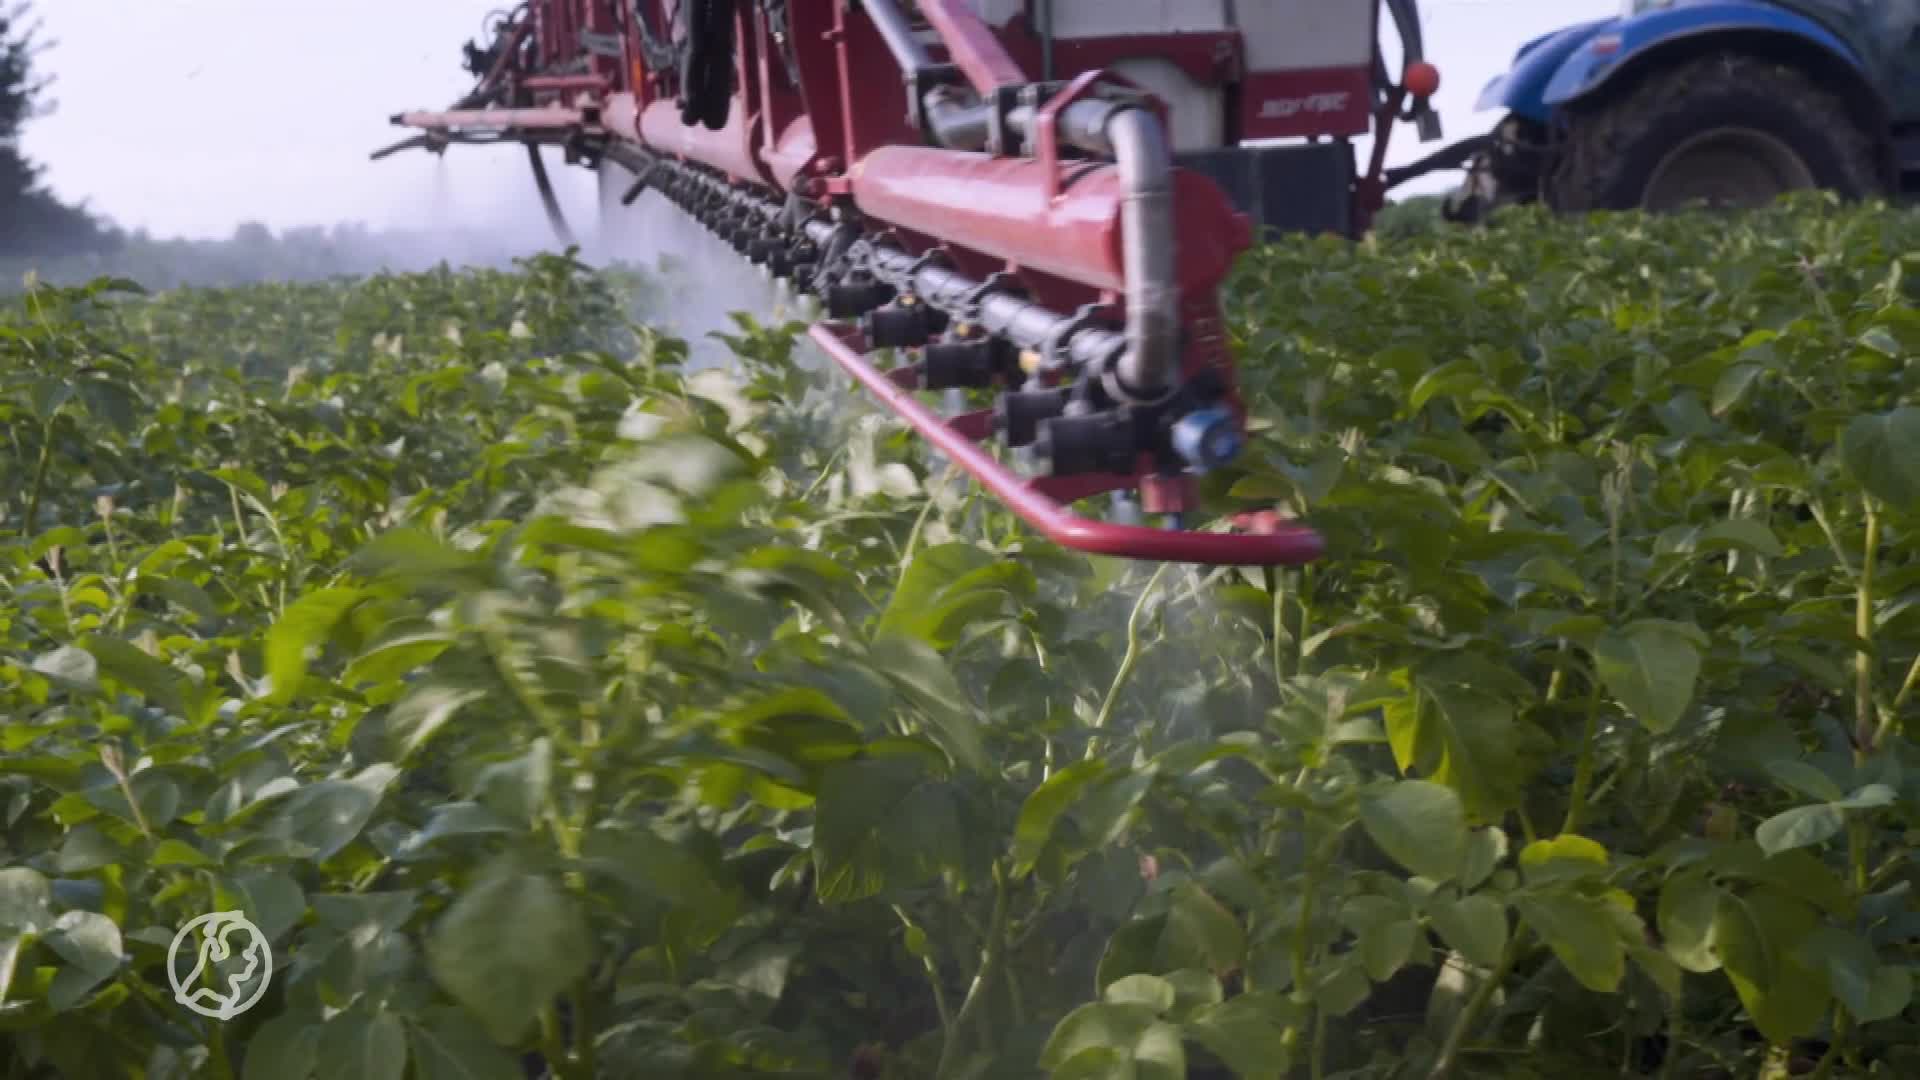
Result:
706,70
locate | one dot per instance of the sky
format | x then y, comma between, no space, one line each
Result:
188,117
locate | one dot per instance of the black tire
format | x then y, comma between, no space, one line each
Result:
1738,127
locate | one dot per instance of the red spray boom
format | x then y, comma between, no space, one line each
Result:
1059,241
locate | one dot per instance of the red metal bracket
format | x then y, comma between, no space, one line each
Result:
1046,120
1040,504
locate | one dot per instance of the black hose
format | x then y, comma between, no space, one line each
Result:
706,67
551,203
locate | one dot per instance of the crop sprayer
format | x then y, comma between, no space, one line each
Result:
1037,199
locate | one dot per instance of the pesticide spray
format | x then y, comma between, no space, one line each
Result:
699,280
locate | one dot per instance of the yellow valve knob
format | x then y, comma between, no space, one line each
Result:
1029,361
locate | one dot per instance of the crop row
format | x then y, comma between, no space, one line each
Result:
550,705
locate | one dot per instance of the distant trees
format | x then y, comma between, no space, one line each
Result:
32,221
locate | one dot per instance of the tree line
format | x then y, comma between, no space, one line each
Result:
32,220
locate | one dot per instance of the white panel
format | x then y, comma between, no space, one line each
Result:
1198,114
1111,18
1283,35
999,12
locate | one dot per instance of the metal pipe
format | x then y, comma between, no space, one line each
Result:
1021,321
1145,160
973,46
1137,142
953,120
956,123
1044,16
898,34
1286,545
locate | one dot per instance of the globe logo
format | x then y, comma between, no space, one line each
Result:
231,967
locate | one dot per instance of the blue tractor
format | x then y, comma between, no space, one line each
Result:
1686,102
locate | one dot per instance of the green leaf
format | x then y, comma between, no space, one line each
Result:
1802,826
917,671
1485,848
1129,1034
1195,932
87,940
286,1047
1421,825
1744,534
447,1045
946,589
1758,938
171,852
417,556
420,715
1689,908
1804,778
158,682
1651,667
272,900
654,866
1043,809
1248,1033
1150,991
1869,989
1461,737
1869,797
26,900
71,667
881,824
321,819
90,944
1732,387
1475,925
301,631
1882,453
1581,933
1660,968
1341,988
517,789
1548,571
1565,857
507,947
357,1046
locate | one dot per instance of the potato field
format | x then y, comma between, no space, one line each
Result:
557,710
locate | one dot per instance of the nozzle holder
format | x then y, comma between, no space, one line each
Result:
1093,443
1018,414
856,296
903,324
972,363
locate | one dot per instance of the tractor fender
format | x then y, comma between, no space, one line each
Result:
1522,88
1631,42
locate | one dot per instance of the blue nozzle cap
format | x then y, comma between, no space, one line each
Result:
1207,438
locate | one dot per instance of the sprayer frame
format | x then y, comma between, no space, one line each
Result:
1037,211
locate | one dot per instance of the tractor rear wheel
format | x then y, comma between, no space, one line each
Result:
1728,130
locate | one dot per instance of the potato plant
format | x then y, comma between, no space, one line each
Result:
556,710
